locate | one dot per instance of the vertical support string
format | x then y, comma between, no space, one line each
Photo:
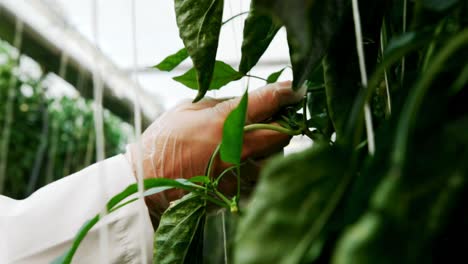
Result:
137,123
404,31
362,68
223,222
99,128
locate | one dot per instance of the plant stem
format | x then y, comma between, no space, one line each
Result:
256,77
238,183
402,75
223,174
317,87
280,129
431,48
383,43
210,163
215,201
224,198
233,17
459,83
361,145
362,68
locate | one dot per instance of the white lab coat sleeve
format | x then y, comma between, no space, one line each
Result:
43,226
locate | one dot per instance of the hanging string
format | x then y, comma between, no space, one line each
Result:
98,126
137,123
362,68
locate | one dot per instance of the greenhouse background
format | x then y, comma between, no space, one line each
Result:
49,51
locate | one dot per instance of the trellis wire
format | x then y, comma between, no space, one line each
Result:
98,126
137,123
362,68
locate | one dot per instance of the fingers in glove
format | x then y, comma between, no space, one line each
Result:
263,102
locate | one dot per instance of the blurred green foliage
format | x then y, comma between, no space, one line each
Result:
344,200
49,137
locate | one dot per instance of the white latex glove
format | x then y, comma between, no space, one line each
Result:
180,142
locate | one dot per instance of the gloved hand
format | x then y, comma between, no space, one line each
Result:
180,142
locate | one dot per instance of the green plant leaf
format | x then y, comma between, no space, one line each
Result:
317,106
172,61
177,230
195,251
222,75
419,91
233,132
398,47
152,186
149,184
439,5
274,76
311,26
323,21
292,14
289,221
341,64
68,255
259,31
407,42
200,179
199,25
411,208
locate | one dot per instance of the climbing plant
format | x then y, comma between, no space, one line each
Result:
385,180
46,138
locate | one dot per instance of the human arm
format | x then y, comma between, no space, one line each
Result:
180,143
42,227
177,145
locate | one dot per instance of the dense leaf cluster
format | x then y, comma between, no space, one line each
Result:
47,138
336,202
386,178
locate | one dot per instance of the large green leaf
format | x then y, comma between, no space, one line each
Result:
398,47
233,132
311,26
439,5
292,205
173,60
412,208
292,14
199,24
259,31
341,65
152,186
177,230
324,20
222,75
